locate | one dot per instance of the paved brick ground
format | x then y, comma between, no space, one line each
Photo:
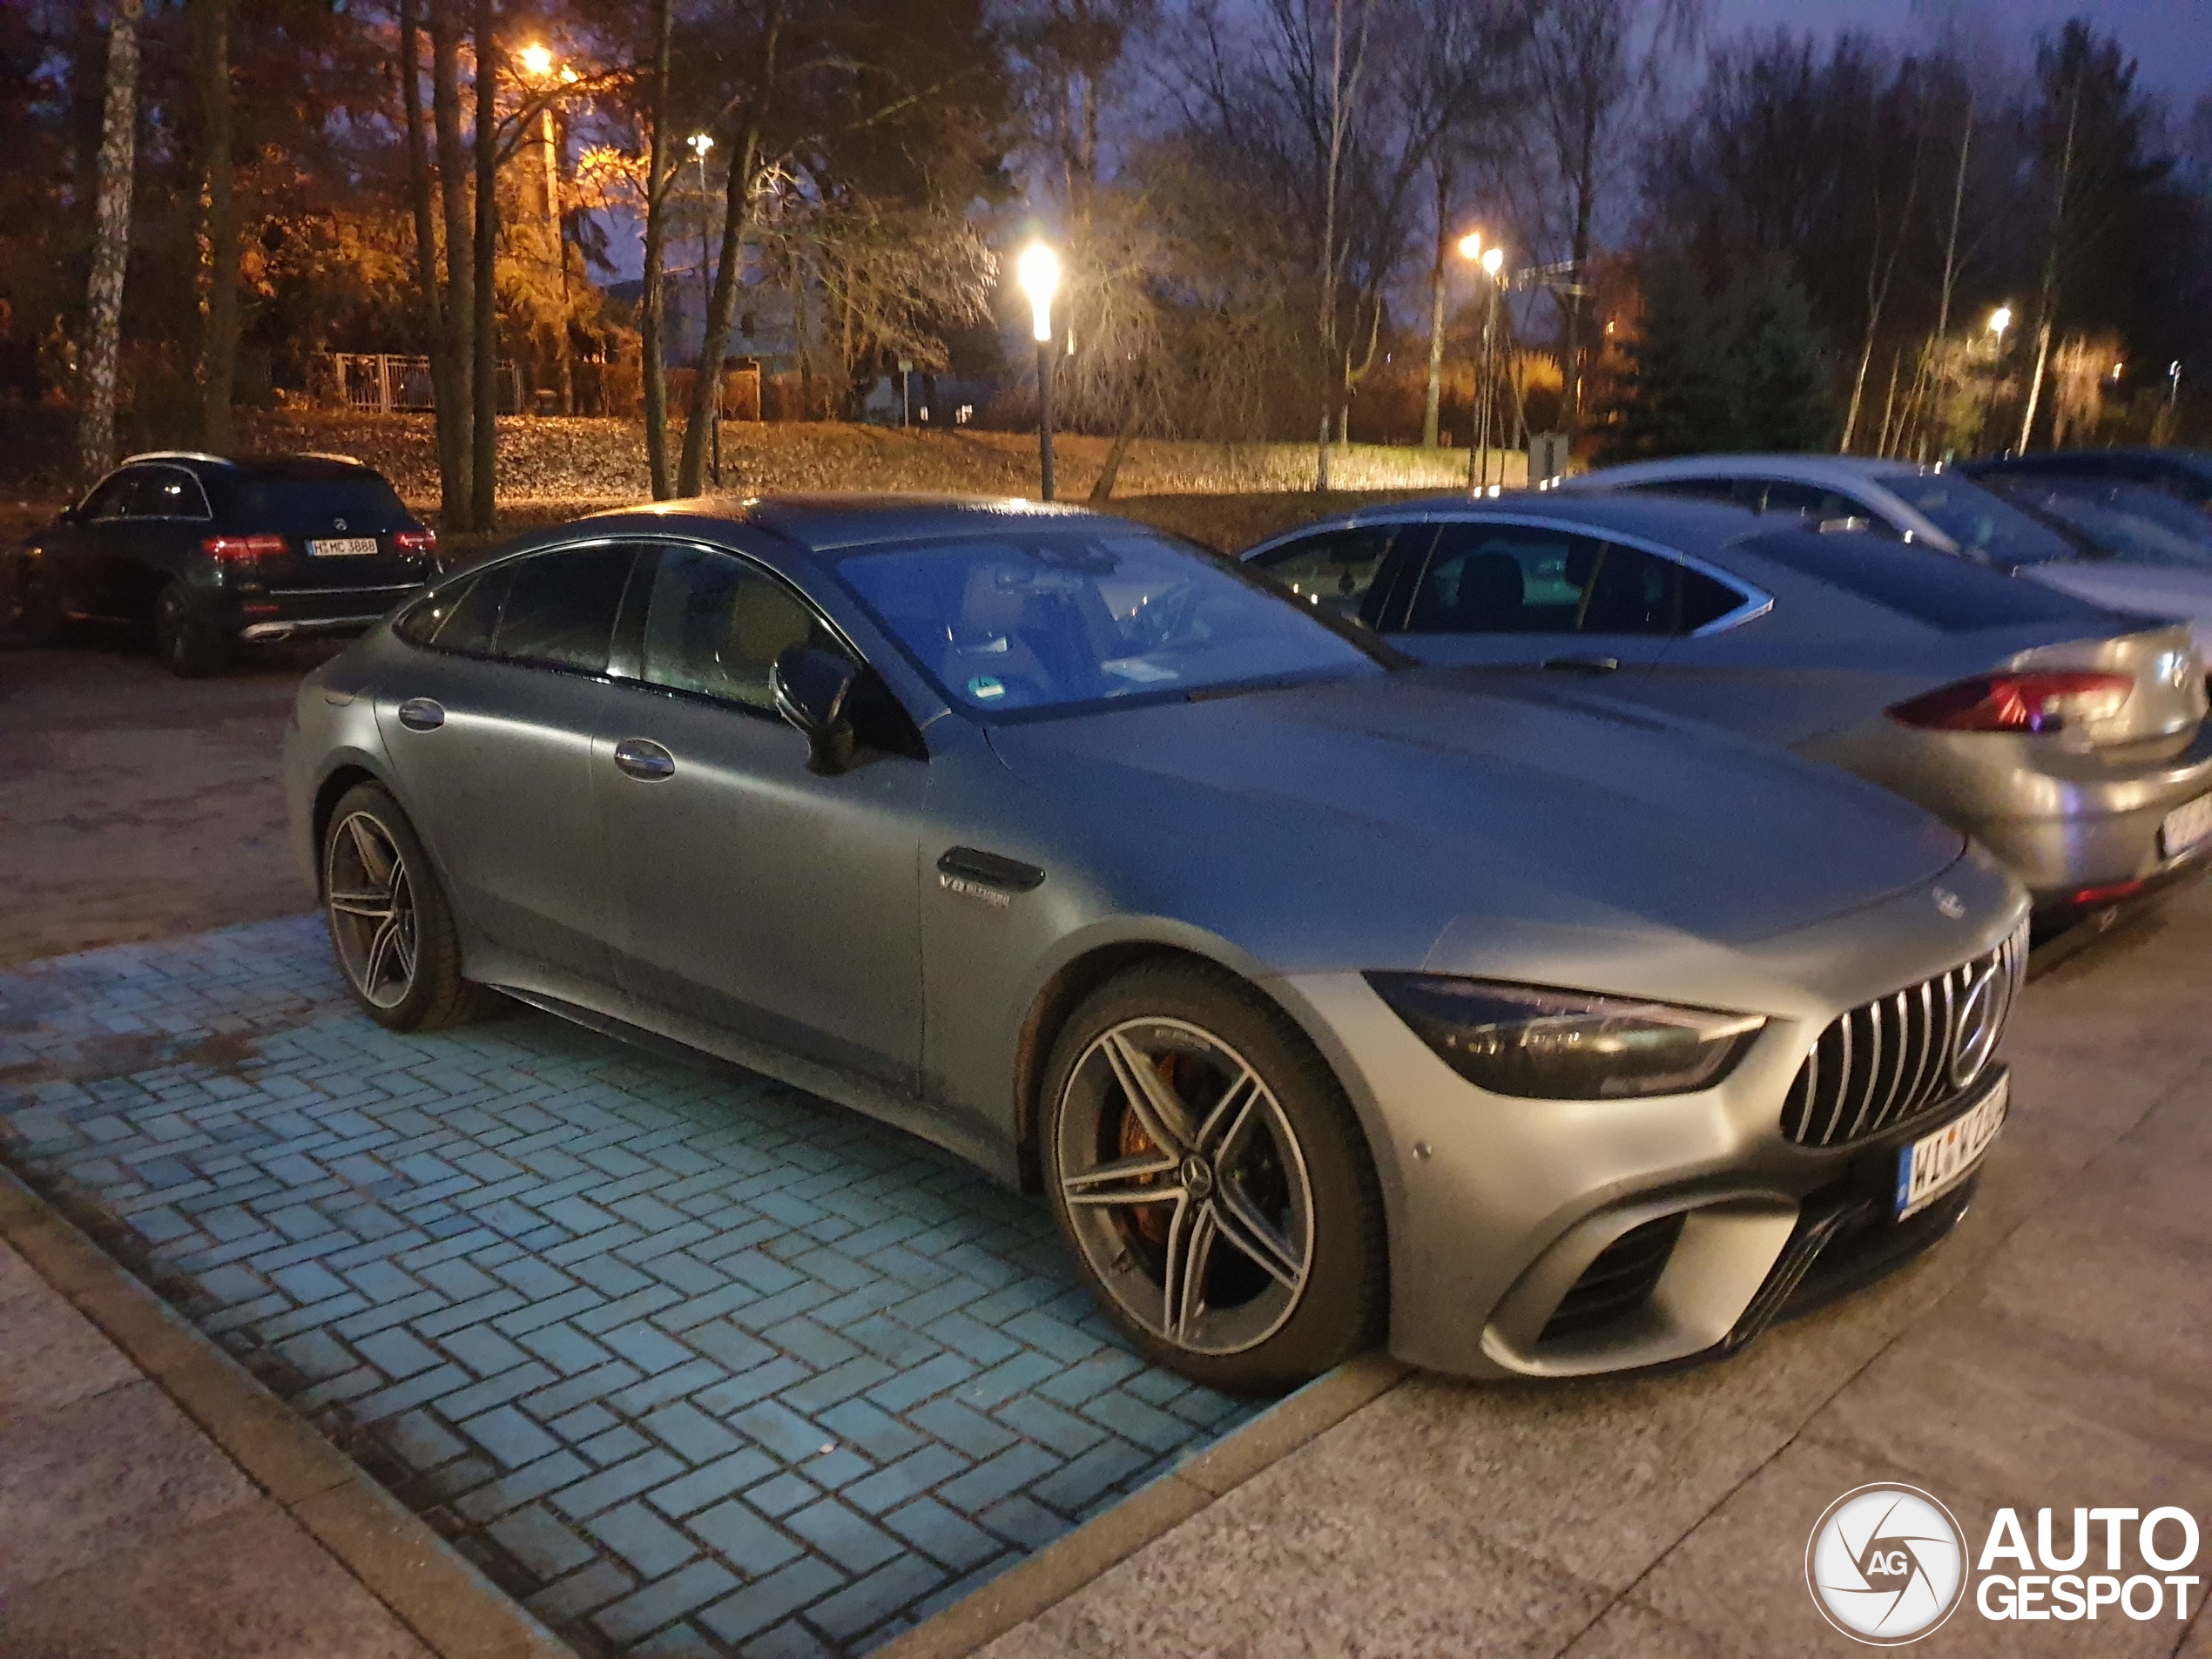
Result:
695,1363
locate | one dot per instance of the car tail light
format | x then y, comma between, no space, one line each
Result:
238,550
420,544
2018,703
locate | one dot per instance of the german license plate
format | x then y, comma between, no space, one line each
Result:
1935,1163
344,547
2185,827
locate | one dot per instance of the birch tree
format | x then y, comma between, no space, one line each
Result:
110,240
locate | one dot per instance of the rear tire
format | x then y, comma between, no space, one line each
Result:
391,925
187,647
1262,1260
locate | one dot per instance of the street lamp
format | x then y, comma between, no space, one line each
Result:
1038,272
1492,261
2000,320
537,61
537,65
700,143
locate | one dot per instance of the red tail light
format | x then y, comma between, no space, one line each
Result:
2018,703
237,550
420,544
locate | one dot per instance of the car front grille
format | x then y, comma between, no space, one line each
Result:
1619,1279
1888,1060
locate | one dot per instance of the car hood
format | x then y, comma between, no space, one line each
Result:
1418,797
2148,589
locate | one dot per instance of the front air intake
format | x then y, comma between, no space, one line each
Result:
1618,1282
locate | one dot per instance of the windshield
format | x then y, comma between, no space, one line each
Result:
2140,526
1982,524
1054,618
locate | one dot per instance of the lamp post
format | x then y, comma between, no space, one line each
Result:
2000,320
700,143
1492,261
1038,272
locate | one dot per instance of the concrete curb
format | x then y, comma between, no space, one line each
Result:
1065,1566
452,1608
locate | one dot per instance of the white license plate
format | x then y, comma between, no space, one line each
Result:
2185,827
1935,1163
344,547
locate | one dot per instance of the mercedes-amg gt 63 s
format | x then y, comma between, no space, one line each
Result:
1327,1001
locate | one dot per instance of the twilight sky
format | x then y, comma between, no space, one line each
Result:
2171,40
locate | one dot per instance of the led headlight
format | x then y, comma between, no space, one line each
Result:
1545,1044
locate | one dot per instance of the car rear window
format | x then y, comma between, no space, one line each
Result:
1981,522
366,502
1945,593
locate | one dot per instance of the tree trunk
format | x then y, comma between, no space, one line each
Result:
111,241
1431,410
217,373
652,321
737,211
1102,490
457,400
483,449
1585,204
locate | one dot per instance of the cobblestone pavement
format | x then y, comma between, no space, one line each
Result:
692,1362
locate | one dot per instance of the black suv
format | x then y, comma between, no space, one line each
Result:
213,553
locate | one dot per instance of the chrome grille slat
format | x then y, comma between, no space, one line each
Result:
1860,1080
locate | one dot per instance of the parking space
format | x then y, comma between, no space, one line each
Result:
691,1362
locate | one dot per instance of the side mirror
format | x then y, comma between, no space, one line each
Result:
813,688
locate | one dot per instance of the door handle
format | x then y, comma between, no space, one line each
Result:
1585,664
421,714
647,762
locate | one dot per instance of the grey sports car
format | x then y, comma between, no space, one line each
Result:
2070,740
1325,1000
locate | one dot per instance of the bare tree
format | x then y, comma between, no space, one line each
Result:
483,446
452,349
1345,71
110,240
660,173
737,213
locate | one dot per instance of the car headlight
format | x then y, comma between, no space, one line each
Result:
1546,1044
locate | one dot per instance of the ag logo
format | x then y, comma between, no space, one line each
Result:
1885,1565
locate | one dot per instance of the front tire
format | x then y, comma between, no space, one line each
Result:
187,647
391,925
1205,1164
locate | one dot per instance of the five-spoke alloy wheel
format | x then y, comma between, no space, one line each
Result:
389,921
1213,1181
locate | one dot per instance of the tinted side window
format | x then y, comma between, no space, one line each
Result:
1335,570
561,607
1953,596
716,624
171,492
1502,579
1720,490
112,499
1485,580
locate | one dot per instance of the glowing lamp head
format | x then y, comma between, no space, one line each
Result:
1038,272
1471,245
2000,320
1493,260
700,143
537,60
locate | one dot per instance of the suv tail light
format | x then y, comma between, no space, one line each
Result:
416,544
2018,703
237,550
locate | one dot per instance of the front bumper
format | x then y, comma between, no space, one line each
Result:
1508,1216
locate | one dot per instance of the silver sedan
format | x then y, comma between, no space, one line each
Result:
2069,739
1327,1003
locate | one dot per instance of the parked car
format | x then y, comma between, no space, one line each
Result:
1323,998
2183,474
210,554
1932,507
2070,740
2156,541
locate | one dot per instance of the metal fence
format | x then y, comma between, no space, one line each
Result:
382,382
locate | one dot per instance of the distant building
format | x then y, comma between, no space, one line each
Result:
764,327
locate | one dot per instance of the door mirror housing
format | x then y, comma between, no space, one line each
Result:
813,688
